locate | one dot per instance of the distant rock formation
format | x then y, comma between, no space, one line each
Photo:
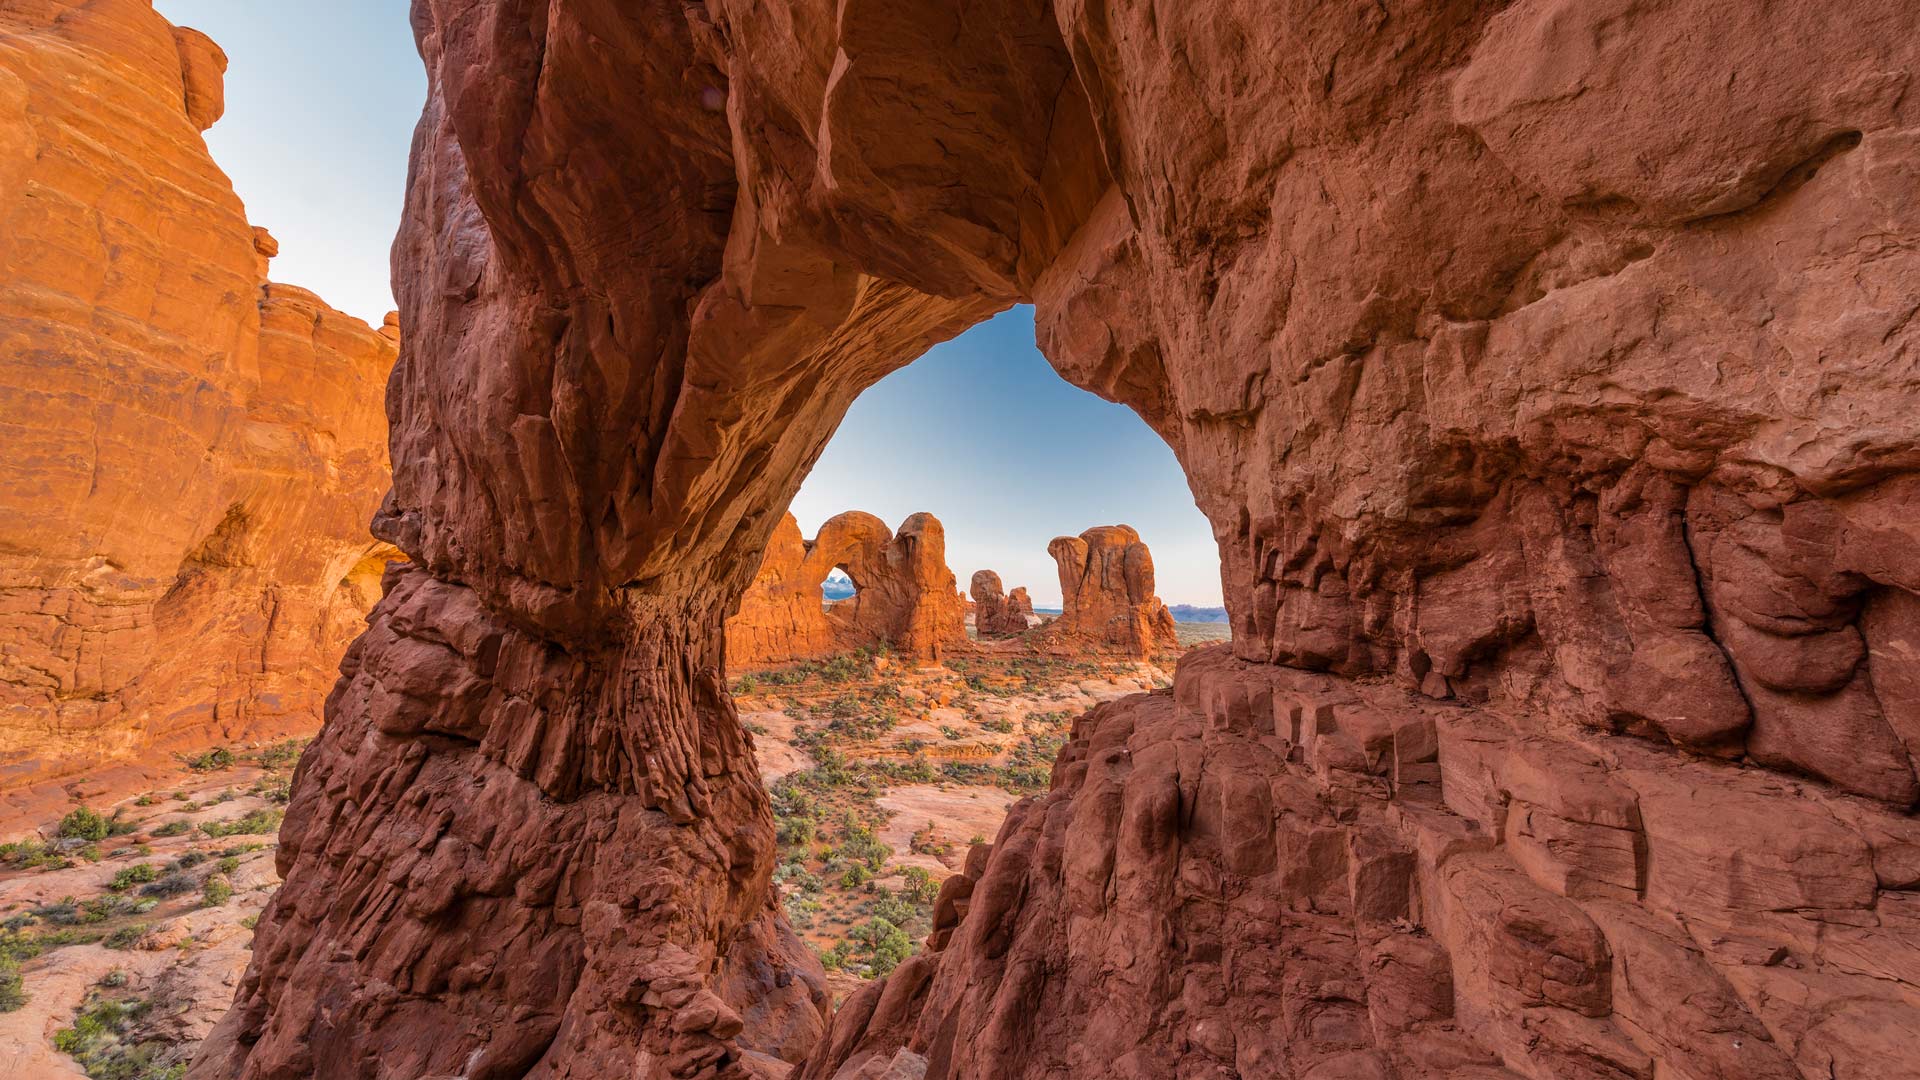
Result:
904,595
1106,593
191,455
997,613
782,615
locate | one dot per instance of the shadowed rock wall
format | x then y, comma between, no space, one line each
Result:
191,454
904,598
1547,370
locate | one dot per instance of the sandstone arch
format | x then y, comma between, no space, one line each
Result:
1494,379
904,596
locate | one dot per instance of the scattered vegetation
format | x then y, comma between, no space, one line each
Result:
83,823
105,1040
129,876
13,986
256,823
215,760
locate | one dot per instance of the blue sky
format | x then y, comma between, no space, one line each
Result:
321,104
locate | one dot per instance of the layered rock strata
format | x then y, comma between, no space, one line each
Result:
191,453
904,597
1545,368
996,612
1275,873
1106,594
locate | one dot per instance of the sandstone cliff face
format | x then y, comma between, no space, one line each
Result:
191,454
1106,593
904,595
1547,371
997,613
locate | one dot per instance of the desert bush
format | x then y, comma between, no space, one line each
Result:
255,823
13,985
176,883
138,874
212,760
216,891
83,823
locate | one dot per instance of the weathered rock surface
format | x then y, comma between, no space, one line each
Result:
1556,360
904,595
191,454
1106,593
1274,873
996,612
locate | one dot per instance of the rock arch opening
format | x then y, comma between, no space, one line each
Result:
1517,534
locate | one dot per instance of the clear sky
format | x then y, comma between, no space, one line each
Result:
982,434
321,104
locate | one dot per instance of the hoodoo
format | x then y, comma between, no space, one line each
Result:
904,597
192,453
1548,370
997,613
1106,593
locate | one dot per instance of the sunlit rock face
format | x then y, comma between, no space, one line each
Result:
1547,371
191,454
997,612
1106,593
904,599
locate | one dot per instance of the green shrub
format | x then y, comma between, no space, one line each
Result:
228,864
32,853
256,823
82,823
13,986
212,761
217,891
921,886
138,874
126,937
105,1042
281,754
173,828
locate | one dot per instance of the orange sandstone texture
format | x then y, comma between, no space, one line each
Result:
1548,373
998,613
1106,593
191,453
904,594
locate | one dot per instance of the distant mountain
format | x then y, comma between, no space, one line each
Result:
837,587
1189,613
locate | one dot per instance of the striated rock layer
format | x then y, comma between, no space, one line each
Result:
1547,370
191,454
904,596
1106,593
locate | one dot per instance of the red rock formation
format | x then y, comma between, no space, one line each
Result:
904,595
997,613
1555,358
1106,593
191,454
782,615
